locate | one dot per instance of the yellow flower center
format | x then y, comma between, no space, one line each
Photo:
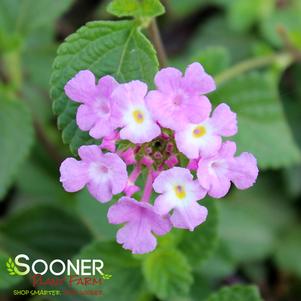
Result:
180,191
199,131
138,116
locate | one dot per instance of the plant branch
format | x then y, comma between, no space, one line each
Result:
253,64
155,37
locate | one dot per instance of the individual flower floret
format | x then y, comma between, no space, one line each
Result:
204,139
216,173
103,174
131,113
180,193
179,99
140,221
95,113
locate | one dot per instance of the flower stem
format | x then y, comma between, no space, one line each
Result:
148,187
251,64
157,41
135,173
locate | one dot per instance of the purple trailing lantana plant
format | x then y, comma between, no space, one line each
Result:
161,125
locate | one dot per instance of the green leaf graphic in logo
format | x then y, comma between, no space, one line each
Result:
11,268
106,276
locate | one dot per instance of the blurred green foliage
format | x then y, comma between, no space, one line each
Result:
253,49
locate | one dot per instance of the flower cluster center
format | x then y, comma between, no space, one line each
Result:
199,131
180,191
138,116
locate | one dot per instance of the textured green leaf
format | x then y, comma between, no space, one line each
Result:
262,127
116,48
16,137
43,231
199,244
287,254
136,8
167,273
236,293
126,281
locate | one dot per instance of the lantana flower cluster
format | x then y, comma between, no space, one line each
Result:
159,127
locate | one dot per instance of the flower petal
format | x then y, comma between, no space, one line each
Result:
243,170
102,192
74,174
197,109
137,237
119,176
85,117
224,121
123,211
190,216
82,87
106,86
90,153
197,80
168,79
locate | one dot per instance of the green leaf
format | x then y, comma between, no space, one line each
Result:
43,231
182,8
16,137
94,215
26,15
217,33
214,59
18,18
167,273
243,14
199,244
287,254
220,265
237,293
287,19
126,282
7,278
251,220
116,48
136,8
262,127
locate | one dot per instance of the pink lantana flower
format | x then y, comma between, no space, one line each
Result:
179,99
216,173
180,193
95,112
204,139
141,221
103,174
131,113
